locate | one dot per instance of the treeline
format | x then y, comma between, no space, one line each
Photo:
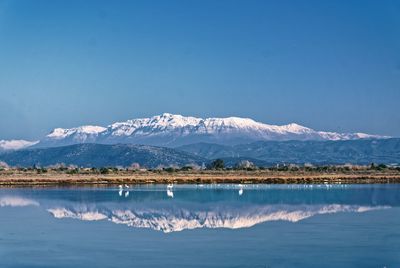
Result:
216,165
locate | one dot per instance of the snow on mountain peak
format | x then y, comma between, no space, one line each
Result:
172,120
174,130
237,122
61,133
348,136
296,128
15,144
157,123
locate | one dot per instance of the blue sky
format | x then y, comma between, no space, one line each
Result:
329,65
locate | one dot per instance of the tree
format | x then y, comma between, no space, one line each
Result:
381,167
217,164
104,170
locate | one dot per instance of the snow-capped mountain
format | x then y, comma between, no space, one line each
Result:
9,145
173,130
83,134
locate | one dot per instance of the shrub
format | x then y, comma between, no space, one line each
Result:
104,170
187,168
169,169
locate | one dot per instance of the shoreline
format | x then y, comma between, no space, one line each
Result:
199,177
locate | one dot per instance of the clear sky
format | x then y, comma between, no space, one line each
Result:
328,65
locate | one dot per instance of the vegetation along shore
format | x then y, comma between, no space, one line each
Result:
284,174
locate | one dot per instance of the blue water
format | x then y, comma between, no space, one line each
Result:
201,226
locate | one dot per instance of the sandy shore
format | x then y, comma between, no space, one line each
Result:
200,177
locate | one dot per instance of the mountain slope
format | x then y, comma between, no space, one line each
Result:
99,155
174,130
316,152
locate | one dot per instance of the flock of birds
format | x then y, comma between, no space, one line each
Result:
124,190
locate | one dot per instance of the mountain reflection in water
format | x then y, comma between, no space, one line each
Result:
184,207
177,219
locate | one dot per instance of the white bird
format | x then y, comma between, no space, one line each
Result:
170,193
120,186
126,186
170,186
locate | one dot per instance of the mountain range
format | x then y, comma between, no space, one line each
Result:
176,140
169,130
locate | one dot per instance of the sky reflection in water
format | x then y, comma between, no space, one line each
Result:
191,208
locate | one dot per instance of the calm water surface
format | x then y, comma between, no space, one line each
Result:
201,226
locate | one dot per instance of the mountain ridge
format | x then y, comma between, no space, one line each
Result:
170,130
363,151
267,153
101,155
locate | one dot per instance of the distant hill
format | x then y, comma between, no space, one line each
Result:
99,155
265,153
361,151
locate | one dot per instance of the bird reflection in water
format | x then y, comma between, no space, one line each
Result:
240,189
123,190
170,193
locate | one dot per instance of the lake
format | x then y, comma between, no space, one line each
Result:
201,226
